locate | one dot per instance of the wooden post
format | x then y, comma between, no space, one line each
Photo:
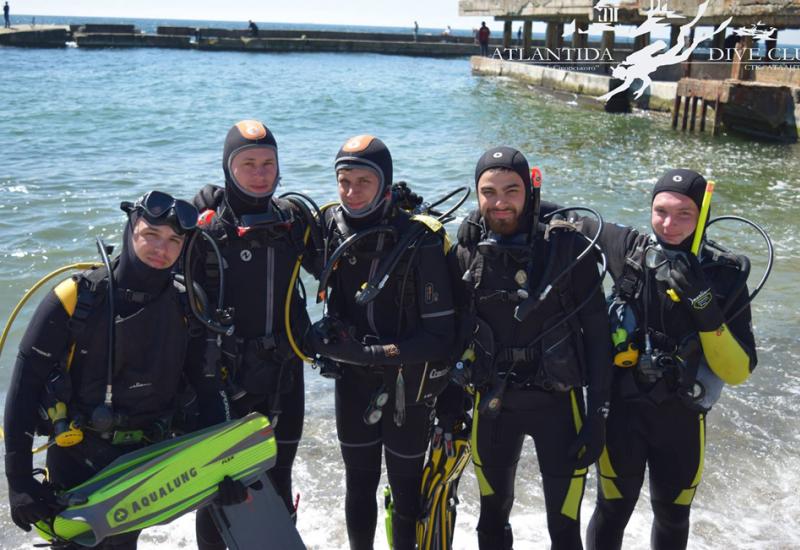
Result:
717,117
694,113
607,43
507,34
580,40
685,113
703,115
771,44
676,108
641,41
718,41
527,28
741,58
673,34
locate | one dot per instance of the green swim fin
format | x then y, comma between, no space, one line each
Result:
159,483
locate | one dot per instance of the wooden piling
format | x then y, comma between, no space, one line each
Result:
676,109
685,113
694,113
703,115
717,117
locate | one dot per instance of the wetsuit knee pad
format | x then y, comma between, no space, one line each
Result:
362,481
670,525
405,494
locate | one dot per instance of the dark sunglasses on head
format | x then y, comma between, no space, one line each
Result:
157,204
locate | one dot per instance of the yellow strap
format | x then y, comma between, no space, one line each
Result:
687,495
483,483
725,355
435,226
608,488
572,503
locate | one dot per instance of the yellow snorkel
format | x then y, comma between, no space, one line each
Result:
699,231
701,221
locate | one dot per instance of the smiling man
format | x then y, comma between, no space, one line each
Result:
674,356
532,368
260,238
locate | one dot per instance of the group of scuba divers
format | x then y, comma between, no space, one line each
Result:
437,350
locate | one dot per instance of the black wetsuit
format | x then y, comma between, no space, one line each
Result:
262,364
151,339
413,319
655,423
544,394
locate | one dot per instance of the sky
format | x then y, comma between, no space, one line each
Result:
429,13
436,14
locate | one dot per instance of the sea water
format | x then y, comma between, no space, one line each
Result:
82,130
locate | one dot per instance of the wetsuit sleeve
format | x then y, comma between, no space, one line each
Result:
43,346
594,323
615,240
433,338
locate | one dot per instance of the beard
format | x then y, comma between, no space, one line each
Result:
507,226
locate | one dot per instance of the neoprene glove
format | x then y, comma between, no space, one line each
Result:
231,492
329,338
686,277
588,446
208,198
31,501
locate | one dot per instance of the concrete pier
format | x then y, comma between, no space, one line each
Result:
210,39
38,36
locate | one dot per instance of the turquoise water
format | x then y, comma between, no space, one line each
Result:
84,129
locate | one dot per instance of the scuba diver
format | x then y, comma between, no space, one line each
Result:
99,388
681,327
531,283
386,332
249,341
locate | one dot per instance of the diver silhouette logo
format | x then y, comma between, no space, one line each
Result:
497,155
640,64
677,178
756,32
246,255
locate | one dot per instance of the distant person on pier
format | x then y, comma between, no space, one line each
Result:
6,17
519,36
253,28
416,30
483,39
446,34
